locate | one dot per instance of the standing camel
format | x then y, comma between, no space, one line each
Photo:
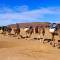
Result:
17,30
29,31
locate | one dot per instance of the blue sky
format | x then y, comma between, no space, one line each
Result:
16,11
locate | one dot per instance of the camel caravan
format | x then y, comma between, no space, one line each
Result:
40,32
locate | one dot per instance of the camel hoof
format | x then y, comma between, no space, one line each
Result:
18,38
50,43
27,37
35,38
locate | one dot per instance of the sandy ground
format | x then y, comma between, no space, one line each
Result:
12,48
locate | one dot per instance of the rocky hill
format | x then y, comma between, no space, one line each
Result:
34,24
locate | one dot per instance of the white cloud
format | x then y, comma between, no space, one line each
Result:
24,15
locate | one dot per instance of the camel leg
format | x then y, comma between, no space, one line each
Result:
52,39
59,44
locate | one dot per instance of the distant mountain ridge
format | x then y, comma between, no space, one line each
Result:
34,24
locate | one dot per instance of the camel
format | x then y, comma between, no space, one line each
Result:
28,31
53,30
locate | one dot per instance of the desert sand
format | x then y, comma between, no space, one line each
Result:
12,48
